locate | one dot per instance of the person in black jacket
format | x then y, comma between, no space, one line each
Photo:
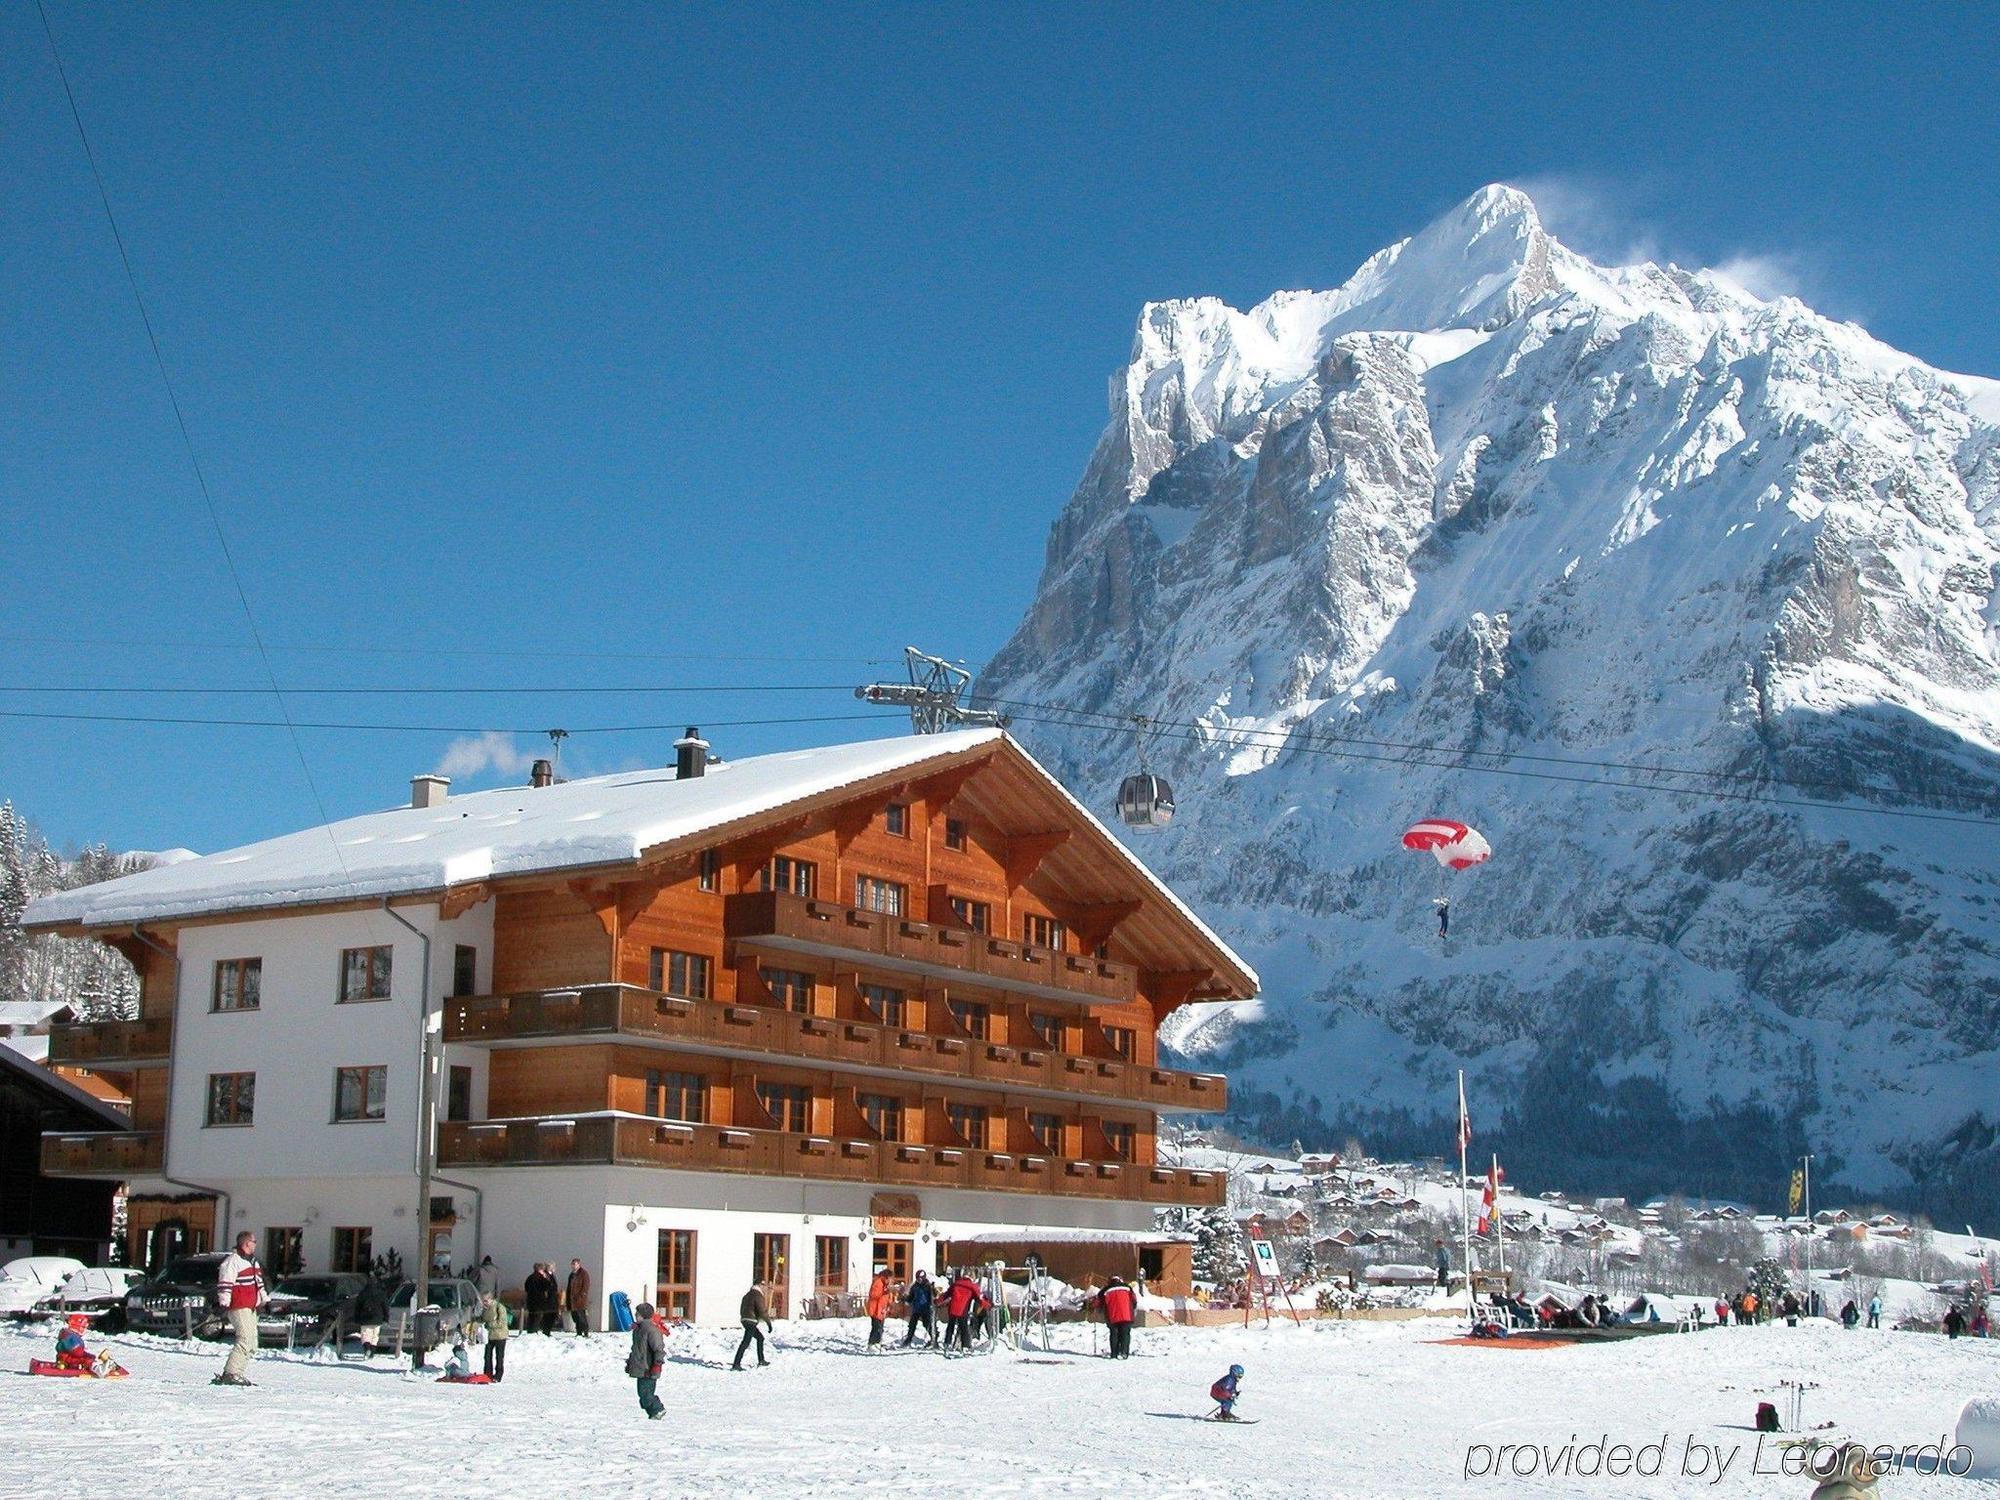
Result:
922,1299
755,1309
541,1296
371,1311
647,1359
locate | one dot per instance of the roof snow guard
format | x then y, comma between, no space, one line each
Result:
600,825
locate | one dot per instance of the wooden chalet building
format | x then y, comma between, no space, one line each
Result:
787,1018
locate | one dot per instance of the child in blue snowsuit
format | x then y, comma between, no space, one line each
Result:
1223,1393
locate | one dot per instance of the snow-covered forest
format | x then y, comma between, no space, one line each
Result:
94,979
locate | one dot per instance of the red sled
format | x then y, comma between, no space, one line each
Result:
84,1372
465,1380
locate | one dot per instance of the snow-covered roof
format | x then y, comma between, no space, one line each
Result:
28,1012
591,823
1031,1235
35,1074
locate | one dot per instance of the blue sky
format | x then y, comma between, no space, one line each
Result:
528,347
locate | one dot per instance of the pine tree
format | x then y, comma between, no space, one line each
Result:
84,974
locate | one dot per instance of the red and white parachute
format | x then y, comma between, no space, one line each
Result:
1451,844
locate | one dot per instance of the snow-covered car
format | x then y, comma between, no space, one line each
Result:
98,1292
457,1304
299,1308
33,1279
180,1300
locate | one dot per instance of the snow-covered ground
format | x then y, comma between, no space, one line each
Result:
1346,1409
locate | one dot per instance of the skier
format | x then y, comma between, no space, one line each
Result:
647,1359
1119,1305
1954,1323
1875,1311
960,1300
923,1313
1223,1394
878,1308
1443,1262
754,1310
1850,1315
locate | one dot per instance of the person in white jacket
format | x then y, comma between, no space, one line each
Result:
239,1290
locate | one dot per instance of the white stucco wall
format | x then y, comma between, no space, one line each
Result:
300,1034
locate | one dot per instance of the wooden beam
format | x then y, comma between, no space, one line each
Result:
937,791
602,899
851,819
749,855
1093,925
1170,988
461,899
1026,851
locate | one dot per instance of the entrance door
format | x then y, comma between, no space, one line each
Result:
771,1264
896,1255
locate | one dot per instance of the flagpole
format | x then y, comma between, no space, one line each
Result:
1809,1235
1465,1190
1499,1229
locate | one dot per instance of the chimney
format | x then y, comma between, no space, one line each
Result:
428,791
544,774
690,755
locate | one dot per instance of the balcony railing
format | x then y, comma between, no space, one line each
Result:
622,1010
801,925
634,1141
105,1044
122,1154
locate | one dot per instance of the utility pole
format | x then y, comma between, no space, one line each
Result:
1809,1234
426,1140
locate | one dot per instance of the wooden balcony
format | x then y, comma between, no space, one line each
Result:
118,1154
621,1011
112,1044
634,1141
797,924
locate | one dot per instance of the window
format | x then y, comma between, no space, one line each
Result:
894,1256
1119,1136
1048,1027
972,1016
1047,1130
885,1002
788,1104
791,988
284,1251
458,1093
954,833
681,974
1121,1039
232,1098
675,1096
708,871
974,914
360,1093
771,1264
353,1250
896,819
364,973
1042,932
884,1114
239,983
970,1121
887,896
791,877
673,1291
464,970
830,1263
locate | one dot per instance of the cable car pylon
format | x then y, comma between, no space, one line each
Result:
934,695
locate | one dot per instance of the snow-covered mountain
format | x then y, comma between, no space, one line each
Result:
1488,496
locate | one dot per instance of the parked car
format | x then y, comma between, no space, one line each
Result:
300,1308
99,1293
457,1303
179,1300
32,1279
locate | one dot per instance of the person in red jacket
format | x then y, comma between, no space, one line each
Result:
239,1289
71,1352
963,1297
1120,1305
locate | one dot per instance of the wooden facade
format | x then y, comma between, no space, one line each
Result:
947,977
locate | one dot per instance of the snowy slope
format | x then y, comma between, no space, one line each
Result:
1490,496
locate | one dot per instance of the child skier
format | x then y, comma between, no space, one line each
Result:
1223,1394
70,1351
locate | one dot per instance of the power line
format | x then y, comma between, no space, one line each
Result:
282,648
1306,734
675,727
297,691
1194,734
187,438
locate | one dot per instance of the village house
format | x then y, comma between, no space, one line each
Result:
788,1019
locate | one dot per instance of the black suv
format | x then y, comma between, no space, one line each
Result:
180,1299
299,1309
